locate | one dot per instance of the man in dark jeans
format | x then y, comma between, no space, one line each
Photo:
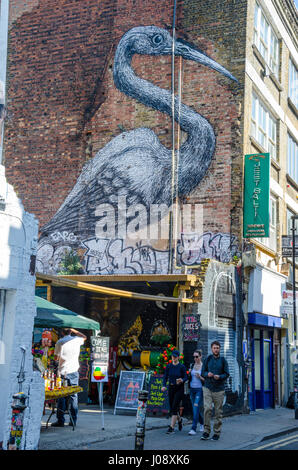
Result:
215,371
67,351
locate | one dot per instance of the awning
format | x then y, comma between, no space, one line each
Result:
50,315
261,319
66,282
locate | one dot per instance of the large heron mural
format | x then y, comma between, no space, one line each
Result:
135,164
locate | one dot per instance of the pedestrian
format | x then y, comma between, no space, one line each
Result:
215,371
196,391
175,373
67,351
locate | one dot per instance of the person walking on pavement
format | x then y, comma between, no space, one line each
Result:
67,351
196,391
215,370
175,373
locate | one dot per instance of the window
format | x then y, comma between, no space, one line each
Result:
270,241
292,168
263,126
289,222
293,84
266,40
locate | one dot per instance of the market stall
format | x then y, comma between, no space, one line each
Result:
49,319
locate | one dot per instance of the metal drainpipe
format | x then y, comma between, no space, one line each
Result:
170,269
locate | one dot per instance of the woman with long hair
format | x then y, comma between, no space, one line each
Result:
196,391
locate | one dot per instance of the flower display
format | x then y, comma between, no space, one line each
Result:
165,358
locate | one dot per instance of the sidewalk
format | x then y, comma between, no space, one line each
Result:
239,431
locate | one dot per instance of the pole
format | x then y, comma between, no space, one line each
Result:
100,399
141,419
294,218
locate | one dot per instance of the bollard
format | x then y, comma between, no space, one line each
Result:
141,419
18,407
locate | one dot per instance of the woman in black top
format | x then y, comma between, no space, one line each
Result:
175,373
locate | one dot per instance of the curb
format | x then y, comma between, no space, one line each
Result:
278,434
265,438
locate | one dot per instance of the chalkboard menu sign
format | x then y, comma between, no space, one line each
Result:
158,401
130,383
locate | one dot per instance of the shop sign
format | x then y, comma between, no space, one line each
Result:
287,302
100,358
256,195
191,327
287,246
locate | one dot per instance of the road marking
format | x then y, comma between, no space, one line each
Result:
276,442
285,444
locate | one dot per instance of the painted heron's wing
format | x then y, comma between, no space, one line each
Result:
140,172
78,215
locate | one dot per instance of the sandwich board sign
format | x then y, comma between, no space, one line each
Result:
130,383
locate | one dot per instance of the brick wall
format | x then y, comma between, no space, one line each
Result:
63,106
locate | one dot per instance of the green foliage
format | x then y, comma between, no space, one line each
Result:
160,339
70,264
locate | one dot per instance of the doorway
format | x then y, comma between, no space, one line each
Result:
262,393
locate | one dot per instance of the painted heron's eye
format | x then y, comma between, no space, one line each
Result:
157,39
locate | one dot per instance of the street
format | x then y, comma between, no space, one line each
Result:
158,440
289,442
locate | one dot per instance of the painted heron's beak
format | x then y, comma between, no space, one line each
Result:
190,52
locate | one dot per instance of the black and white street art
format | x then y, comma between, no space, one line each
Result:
135,165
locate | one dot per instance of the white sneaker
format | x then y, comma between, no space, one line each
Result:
201,428
192,432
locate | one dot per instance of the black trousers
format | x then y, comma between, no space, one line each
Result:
176,395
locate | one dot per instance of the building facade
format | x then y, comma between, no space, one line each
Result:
106,157
270,125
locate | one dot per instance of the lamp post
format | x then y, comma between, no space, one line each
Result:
294,218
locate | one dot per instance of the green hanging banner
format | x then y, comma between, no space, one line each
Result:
256,195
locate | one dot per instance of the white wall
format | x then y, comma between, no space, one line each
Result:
18,241
264,292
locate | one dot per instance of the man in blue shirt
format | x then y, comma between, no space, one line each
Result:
215,371
175,373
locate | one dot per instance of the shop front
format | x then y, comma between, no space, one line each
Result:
265,373
264,334
49,321
141,316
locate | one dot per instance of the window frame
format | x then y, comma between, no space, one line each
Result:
268,43
271,241
290,213
293,83
292,158
269,136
